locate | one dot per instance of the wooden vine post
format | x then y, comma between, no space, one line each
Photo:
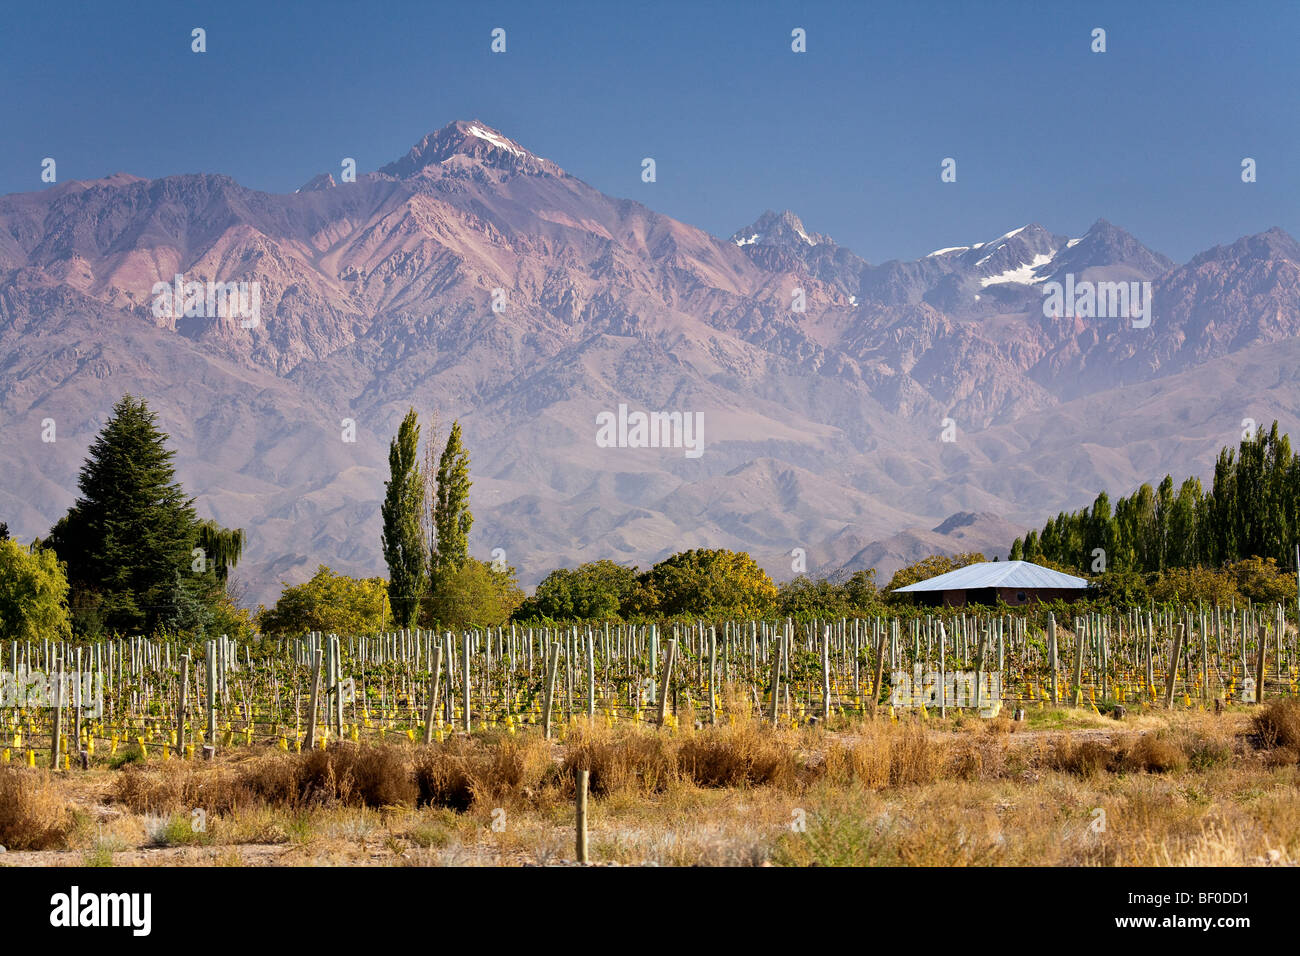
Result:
434,679
669,660
553,662
315,695
580,822
180,706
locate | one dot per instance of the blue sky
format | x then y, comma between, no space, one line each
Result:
850,135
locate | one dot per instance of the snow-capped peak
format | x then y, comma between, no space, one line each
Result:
777,229
496,139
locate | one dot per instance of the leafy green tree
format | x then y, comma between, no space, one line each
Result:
1183,545
595,591
808,598
131,531
33,594
1261,580
712,582
330,603
860,590
474,594
1194,586
1100,534
451,515
403,535
1031,546
221,546
1120,589
1252,509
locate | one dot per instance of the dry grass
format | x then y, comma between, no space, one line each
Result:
1169,787
458,773
33,814
1277,728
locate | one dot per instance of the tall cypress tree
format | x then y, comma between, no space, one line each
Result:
403,534
451,515
131,532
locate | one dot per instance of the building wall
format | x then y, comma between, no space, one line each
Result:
1012,596
1015,597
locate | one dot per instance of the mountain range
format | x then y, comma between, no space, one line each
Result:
477,281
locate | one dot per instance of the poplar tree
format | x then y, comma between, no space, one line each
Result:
451,515
403,533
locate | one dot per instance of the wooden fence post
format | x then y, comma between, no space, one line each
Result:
1173,667
434,680
211,691
1261,653
580,823
713,675
315,693
880,672
667,680
466,680
591,674
552,663
1052,650
1078,663
777,663
56,741
826,673
180,708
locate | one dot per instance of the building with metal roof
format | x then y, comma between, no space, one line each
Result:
987,582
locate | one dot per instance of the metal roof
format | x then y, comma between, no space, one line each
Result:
997,574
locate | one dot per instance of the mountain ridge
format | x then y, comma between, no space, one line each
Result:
379,295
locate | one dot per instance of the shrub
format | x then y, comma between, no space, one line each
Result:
1278,724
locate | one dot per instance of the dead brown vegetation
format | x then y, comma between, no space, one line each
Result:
33,816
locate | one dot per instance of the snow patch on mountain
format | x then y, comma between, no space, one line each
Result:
497,140
1024,274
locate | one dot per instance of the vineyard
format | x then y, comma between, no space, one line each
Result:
140,699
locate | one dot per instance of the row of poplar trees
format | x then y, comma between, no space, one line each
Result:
426,518
1251,510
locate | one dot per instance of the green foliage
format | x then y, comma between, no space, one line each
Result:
474,594
1262,581
403,533
1194,586
329,602
710,582
33,594
1120,589
132,532
805,598
595,591
1252,510
451,515
223,547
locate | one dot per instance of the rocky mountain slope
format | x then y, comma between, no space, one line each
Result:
475,280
